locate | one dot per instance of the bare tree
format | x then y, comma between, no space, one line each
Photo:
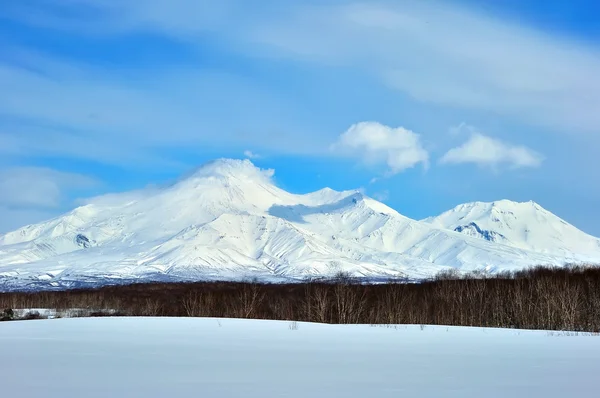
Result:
198,304
151,307
321,304
249,299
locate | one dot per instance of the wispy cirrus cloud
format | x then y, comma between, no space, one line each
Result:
65,109
448,55
435,52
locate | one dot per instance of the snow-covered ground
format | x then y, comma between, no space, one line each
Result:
158,357
228,220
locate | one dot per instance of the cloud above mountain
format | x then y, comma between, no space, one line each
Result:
376,144
487,151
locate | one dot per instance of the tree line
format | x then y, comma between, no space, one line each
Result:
540,298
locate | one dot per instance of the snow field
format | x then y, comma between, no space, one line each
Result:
157,357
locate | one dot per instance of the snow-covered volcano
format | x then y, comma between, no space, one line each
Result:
524,225
228,220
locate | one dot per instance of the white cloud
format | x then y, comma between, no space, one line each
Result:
251,155
38,188
483,150
434,51
375,144
439,52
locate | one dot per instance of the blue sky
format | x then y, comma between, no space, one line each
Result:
424,105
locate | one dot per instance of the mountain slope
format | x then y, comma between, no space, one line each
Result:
228,220
522,225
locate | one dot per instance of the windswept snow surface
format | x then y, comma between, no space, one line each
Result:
182,357
228,220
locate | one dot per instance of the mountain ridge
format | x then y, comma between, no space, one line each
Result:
228,220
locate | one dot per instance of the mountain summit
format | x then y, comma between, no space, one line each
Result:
525,225
228,220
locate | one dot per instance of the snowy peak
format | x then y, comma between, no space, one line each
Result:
524,225
228,220
231,168
228,182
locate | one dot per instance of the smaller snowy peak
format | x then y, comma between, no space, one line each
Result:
525,225
498,211
500,206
